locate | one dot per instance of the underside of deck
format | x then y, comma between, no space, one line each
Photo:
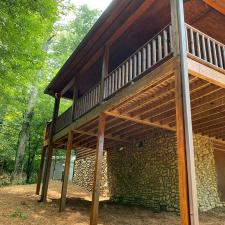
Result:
150,103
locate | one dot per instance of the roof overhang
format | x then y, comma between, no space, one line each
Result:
111,19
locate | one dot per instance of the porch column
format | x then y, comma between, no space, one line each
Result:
41,169
98,170
66,172
49,150
105,65
186,164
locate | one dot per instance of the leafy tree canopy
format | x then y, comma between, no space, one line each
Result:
25,62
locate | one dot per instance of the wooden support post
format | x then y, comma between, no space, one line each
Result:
105,65
66,172
49,150
98,168
186,165
40,173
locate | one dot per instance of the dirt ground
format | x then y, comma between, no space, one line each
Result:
18,205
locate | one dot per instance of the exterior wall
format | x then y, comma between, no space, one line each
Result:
208,196
147,174
220,168
84,174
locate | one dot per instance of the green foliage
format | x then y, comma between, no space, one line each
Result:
25,28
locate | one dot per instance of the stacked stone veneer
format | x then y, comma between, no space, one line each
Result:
84,174
147,174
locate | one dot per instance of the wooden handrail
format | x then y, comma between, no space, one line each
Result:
205,47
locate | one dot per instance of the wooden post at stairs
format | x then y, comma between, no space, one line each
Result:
98,168
66,172
105,65
186,165
40,173
49,151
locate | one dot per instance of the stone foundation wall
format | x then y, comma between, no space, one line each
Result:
146,173
84,174
206,177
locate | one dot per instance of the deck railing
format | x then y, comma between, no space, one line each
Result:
63,120
153,52
204,47
199,45
87,101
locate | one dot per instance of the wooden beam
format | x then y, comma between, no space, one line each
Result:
98,169
187,180
217,5
106,136
49,150
41,169
137,120
198,69
66,172
67,87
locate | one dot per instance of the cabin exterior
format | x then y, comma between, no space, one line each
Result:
147,88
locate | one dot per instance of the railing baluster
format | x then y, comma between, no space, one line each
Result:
165,43
219,56
215,54
204,48
88,101
98,93
149,55
110,85
144,59
113,83
123,75
209,50
127,72
171,39
108,93
105,86
116,80
120,78
198,46
131,69
95,96
154,56
135,65
192,42
139,62
159,47
187,39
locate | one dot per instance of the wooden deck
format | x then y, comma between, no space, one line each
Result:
150,103
140,94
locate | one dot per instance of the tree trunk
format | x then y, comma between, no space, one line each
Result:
24,133
30,162
25,130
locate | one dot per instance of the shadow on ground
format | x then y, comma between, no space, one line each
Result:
18,205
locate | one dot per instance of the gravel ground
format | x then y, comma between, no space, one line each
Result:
18,205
